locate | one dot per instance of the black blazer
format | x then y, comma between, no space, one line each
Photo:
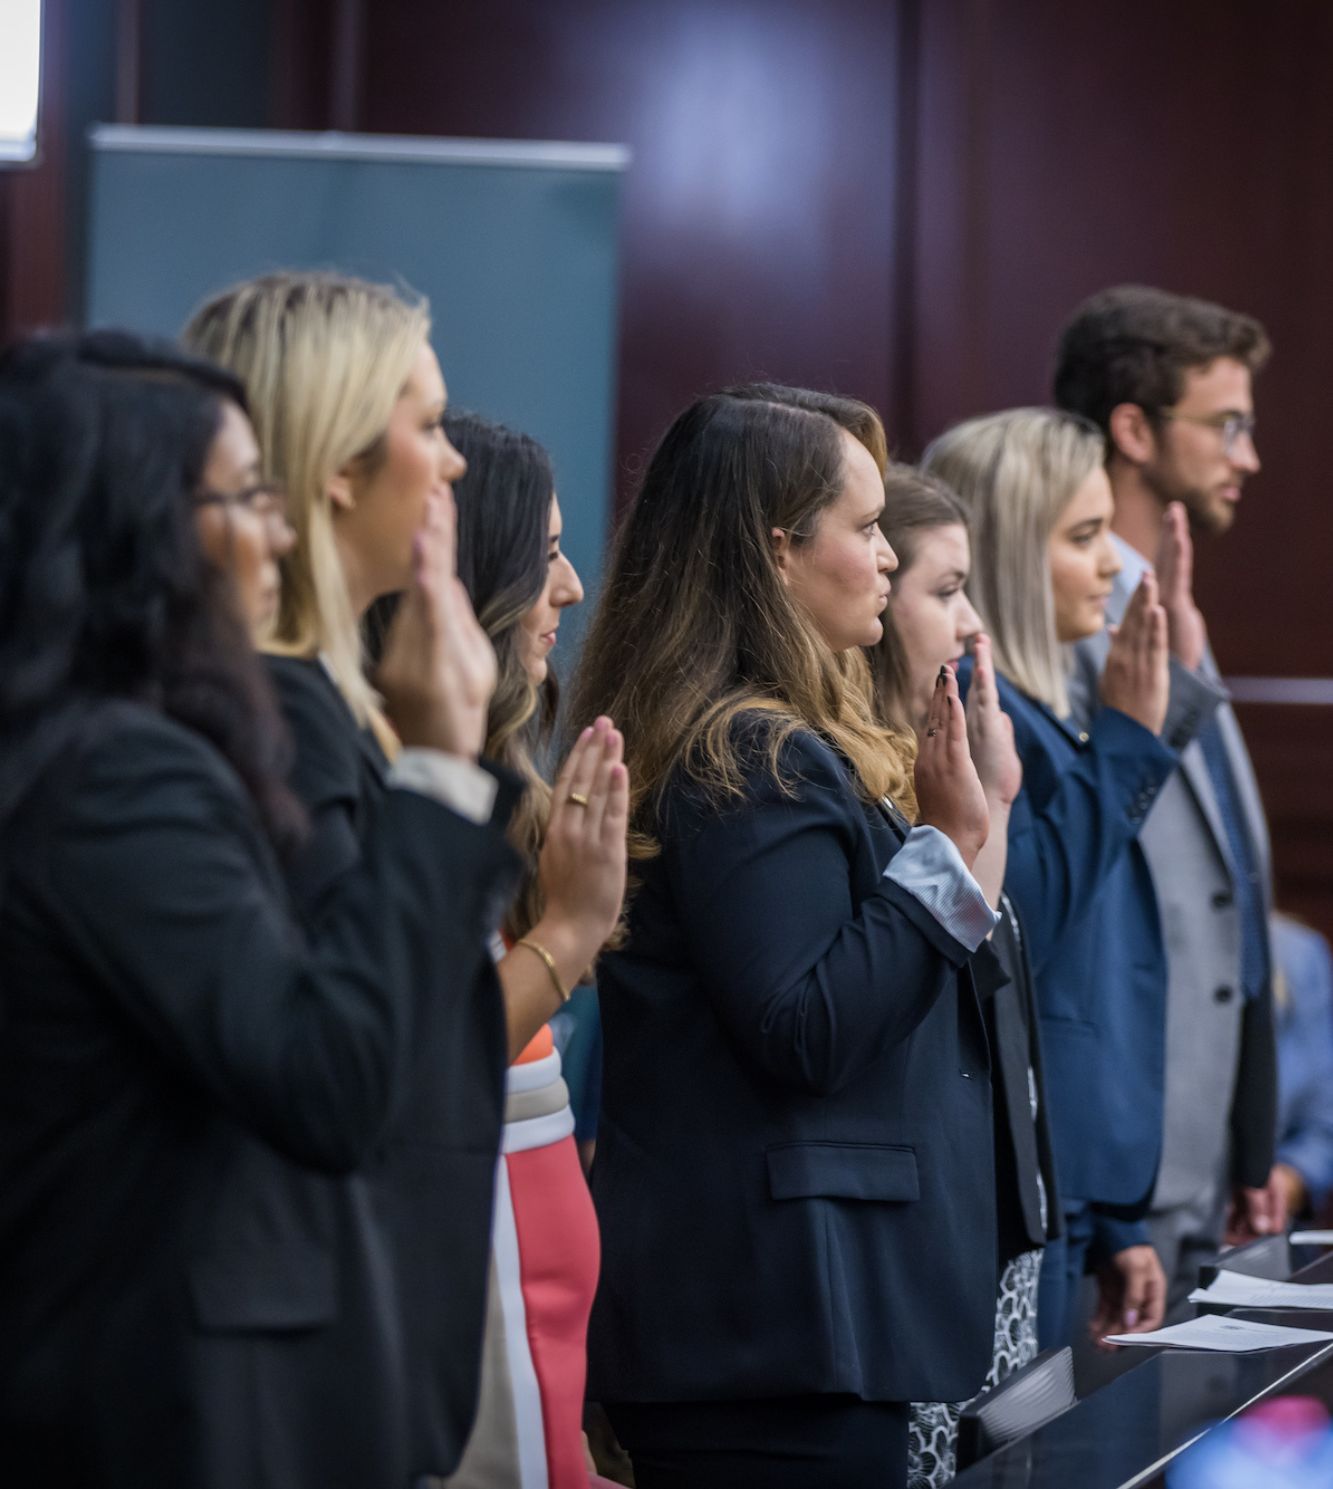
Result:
340,773
1024,1161
794,1164
230,1154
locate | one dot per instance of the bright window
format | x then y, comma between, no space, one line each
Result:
20,71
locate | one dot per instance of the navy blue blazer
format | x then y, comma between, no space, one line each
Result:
1081,883
794,1172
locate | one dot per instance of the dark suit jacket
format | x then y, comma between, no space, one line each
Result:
794,1165
1024,1155
230,1155
1081,885
340,774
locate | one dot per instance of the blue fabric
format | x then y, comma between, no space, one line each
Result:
577,1031
1305,1056
1082,887
1249,890
1063,1263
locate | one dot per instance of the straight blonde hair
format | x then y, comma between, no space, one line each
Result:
324,358
1015,472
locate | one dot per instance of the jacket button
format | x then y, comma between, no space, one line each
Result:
1223,899
1083,736
1223,995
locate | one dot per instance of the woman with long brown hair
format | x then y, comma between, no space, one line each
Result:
796,1113
544,1253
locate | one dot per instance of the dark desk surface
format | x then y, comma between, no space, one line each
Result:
1125,1433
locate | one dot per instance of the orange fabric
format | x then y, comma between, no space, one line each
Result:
542,1042
538,1047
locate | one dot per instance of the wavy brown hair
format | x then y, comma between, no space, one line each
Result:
914,503
504,517
695,628
857,418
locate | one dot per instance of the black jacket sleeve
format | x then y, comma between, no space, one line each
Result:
154,868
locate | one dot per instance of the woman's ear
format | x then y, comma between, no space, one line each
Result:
339,490
781,540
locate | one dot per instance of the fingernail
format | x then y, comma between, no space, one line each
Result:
944,672
1131,1317
587,733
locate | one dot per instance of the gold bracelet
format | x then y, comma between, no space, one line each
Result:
537,949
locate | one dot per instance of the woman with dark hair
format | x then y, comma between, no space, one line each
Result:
545,1249
929,624
796,1116
217,1134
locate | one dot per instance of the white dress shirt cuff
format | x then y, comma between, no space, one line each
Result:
931,869
458,784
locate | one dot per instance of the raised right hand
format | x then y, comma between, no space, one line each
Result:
949,793
990,731
583,860
438,669
1137,678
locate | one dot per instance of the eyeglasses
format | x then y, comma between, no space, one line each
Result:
1230,426
266,499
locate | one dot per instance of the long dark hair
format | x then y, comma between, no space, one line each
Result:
504,515
695,627
104,590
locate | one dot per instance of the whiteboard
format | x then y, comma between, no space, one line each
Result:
515,244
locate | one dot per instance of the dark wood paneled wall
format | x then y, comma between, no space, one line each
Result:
759,207
900,199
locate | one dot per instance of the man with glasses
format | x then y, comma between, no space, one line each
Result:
1168,379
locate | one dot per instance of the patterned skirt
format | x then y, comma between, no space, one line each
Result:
933,1439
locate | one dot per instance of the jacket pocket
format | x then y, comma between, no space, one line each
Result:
276,1287
868,1171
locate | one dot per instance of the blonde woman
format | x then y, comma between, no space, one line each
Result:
1032,484
348,402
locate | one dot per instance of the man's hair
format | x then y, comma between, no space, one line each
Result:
1133,344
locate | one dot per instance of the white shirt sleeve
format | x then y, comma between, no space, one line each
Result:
458,784
931,869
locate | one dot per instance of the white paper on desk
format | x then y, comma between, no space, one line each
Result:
1234,1290
1311,1238
1229,1335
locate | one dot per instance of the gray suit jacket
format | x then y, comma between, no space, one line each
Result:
1220,1063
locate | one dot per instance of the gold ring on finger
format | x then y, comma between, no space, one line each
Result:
578,799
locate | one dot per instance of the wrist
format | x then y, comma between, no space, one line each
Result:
573,945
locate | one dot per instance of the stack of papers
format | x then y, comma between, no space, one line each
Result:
1234,1290
1228,1335
1311,1238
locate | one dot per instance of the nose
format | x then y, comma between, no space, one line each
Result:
452,465
1245,453
969,622
1109,564
281,537
886,559
570,589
